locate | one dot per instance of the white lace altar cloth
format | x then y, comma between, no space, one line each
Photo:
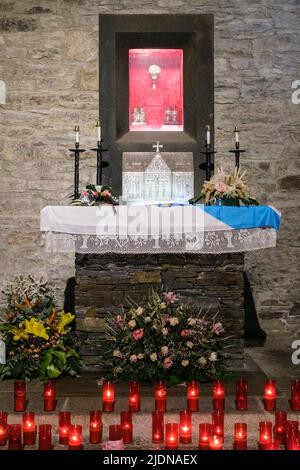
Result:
146,229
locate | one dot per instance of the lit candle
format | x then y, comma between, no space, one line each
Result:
219,395
171,436
108,396
115,433
160,397
49,396
215,443
126,426
134,400
29,429
295,395
45,437
3,428
157,427
240,436
15,437
185,427
280,426
193,396
95,427
218,423
270,395
64,425
265,435
75,437
76,130
241,402
20,395
205,432
236,134
98,128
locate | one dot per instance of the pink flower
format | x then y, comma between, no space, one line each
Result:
138,334
170,297
218,328
120,321
168,363
220,187
106,193
187,333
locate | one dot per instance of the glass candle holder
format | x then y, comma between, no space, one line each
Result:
270,395
295,395
15,437
45,437
172,436
75,437
157,427
161,397
134,397
3,417
95,427
3,433
193,396
185,427
126,426
219,395
240,436
241,401
115,432
280,426
108,396
265,435
218,423
49,396
64,425
29,429
20,395
215,443
205,432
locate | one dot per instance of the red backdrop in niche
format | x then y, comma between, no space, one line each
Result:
168,91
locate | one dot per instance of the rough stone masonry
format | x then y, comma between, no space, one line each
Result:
48,61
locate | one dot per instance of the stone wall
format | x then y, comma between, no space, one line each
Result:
48,61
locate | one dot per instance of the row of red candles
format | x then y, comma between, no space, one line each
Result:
193,394
211,435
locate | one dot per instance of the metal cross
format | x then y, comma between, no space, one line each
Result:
157,146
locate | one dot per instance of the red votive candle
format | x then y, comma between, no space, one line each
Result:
265,435
193,396
172,436
15,437
270,395
134,397
291,434
161,397
241,401
126,426
29,429
3,417
95,427
219,395
64,425
185,427
20,395
157,427
115,432
240,436
205,432
280,426
75,437
45,437
108,396
3,428
295,395
218,423
215,443
49,396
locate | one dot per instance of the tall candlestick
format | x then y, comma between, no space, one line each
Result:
15,437
157,427
193,396
208,135
45,437
185,427
134,397
236,136
126,426
219,395
171,436
265,435
240,436
20,395
95,427
76,130
108,396
270,395
64,425
98,128
29,429
161,396
241,402
49,396
75,437
205,432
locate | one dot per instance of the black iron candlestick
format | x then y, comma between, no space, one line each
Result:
237,151
100,162
208,166
77,151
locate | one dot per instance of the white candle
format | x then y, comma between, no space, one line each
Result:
98,127
208,135
236,133
76,134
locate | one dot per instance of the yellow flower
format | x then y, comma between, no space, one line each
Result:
35,328
65,319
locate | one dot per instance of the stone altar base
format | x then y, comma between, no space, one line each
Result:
211,282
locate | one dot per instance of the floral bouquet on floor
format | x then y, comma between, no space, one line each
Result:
37,334
94,195
163,340
226,189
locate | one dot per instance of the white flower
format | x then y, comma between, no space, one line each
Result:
153,357
185,362
133,358
213,357
147,320
163,305
202,361
141,356
139,311
117,353
174,321
165,331
192,322
132,324
190,344
165,350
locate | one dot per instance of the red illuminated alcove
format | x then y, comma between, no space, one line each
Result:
156,95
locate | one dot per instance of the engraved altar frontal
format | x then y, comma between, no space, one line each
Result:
156,177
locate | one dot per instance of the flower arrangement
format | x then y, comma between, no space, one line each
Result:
163,340
226,189
36,332
94,195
